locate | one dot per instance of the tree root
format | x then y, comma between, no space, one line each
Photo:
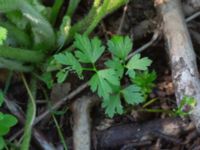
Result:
182,57
135,135
82,123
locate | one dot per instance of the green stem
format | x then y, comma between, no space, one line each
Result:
13,65
95,13
85,22
31,112
157,111
55,10
59,132
73,4
149,102
21,54
82,25
55,121
101,12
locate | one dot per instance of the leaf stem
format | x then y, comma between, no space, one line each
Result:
21,54
31,112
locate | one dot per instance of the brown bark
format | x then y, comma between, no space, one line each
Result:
183,60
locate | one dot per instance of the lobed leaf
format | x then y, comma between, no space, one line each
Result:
137,63
120,46
102,82
145,81
132,95
116,65
68,59
88,51
61,75
113,105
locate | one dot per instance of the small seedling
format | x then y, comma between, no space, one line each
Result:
186,105
107,82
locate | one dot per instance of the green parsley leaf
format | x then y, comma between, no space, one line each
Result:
68,59
3,35
132,95
102,82
120,46
113,105
137,63
144,80
116,65
61,75
88,51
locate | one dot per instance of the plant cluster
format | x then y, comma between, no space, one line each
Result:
108,82
33,33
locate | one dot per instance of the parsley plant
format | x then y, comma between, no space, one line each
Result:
107,82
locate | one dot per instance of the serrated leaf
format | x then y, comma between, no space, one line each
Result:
61,76
68,59
120,46
102,82
61,58
138,63
116,65
132,95
145,80
88,51
113,105
3,35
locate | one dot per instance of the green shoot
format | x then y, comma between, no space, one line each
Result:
31,112
185,106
